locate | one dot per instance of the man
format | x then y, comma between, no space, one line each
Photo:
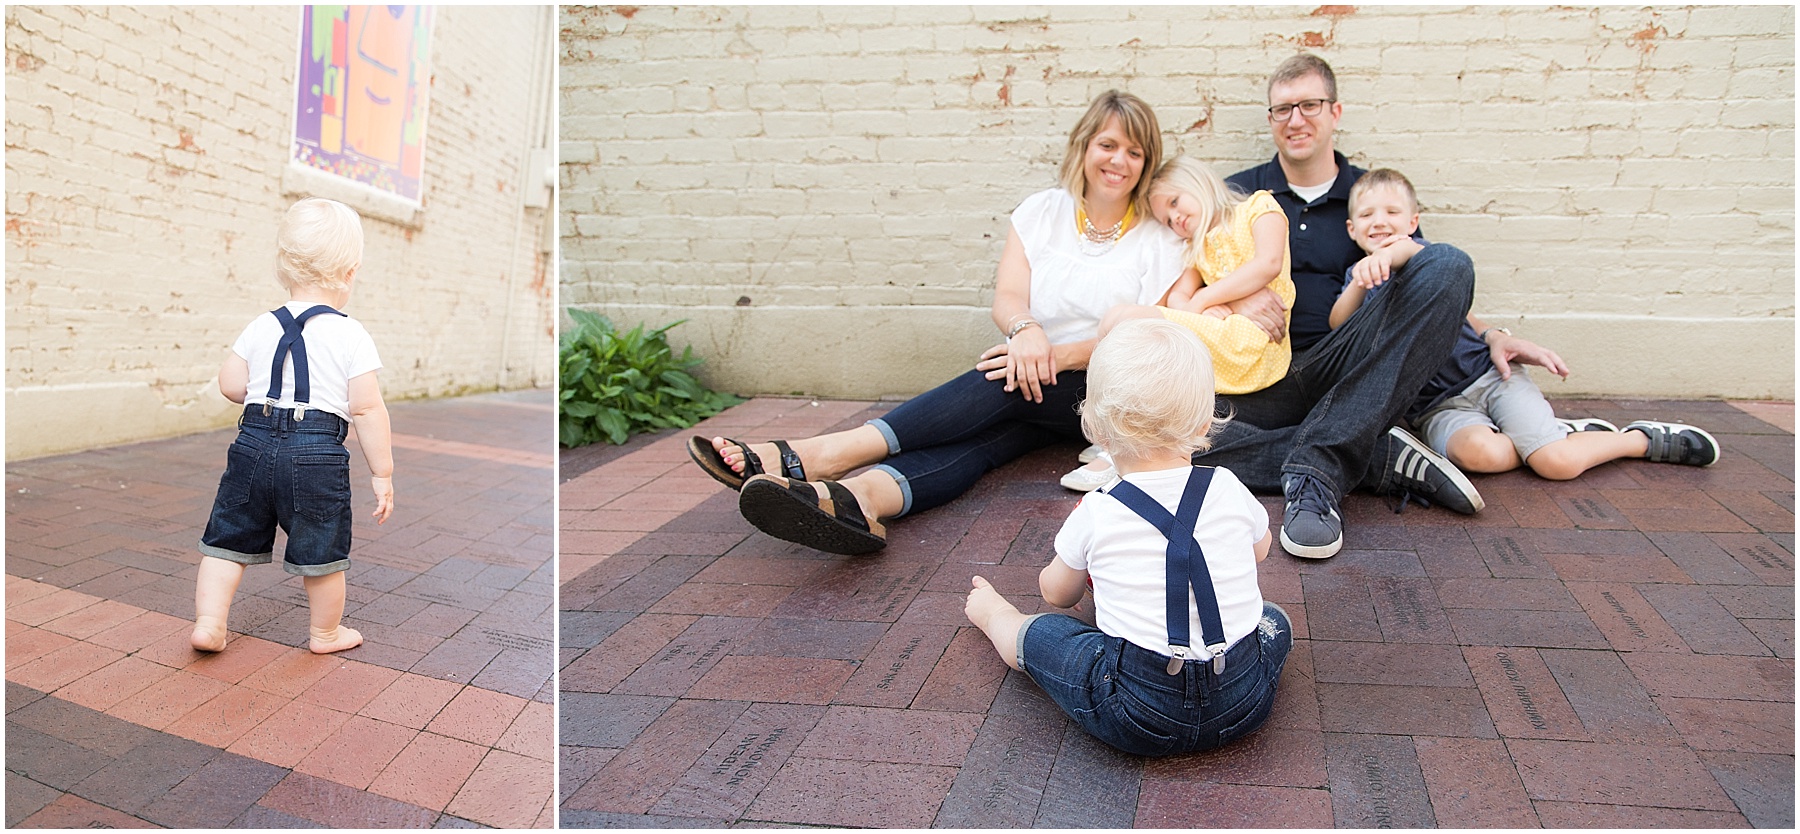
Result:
1325,428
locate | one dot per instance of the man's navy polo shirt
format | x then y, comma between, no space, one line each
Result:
1319,244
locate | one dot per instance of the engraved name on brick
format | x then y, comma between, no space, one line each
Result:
991,799
1510,668
906,654
749,753
1509,551
1378,798
1630,621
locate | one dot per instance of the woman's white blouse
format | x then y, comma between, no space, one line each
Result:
1072,288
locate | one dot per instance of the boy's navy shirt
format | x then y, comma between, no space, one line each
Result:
1319,244
1468,357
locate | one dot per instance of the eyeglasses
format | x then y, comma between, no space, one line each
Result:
1308,108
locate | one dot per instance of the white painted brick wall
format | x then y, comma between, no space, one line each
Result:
1623,177
144,160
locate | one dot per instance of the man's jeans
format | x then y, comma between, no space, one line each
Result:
1326,418
942,441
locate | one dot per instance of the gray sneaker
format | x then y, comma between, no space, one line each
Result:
1677,443
1586,424
1424,475
1311,527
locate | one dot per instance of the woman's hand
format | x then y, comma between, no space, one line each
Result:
1027,363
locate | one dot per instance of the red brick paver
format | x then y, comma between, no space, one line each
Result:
1606,652
114,720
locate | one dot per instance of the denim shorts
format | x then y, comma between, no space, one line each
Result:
286,473
1123,695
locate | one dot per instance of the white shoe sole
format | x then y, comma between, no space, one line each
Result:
1323,551
1087,455
1088,480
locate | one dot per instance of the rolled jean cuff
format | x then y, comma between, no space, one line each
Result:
326,569
1019,647
906,496
887,433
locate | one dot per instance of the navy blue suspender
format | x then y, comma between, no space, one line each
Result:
1185,566
291,327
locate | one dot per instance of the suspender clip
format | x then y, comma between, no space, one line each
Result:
1178,656
266,409
299,412
1218,657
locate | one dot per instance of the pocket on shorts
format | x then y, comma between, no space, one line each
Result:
1137,723
322,484
240,473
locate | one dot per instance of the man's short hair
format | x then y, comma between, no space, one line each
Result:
320,241
1382,177
1299,67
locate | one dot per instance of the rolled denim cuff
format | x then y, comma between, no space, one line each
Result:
906,496
887,433
1019,646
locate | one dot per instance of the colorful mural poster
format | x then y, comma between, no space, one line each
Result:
360,101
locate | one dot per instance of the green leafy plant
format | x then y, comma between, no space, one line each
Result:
618,384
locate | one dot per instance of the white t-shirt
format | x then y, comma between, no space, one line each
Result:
1125,557
338,350
1071,289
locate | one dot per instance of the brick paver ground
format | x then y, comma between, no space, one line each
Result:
442,718
1612,651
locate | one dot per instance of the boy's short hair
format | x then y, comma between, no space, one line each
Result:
319,243
1381,177
1150,388
1139,123
1300,66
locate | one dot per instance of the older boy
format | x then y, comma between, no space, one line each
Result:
303,372
1325,428
1481,419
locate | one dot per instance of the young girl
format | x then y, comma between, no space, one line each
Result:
1236,246
1139,679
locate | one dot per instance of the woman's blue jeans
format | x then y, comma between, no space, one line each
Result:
942,441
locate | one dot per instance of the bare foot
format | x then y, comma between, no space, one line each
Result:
335,640
209,635
733,455
996,618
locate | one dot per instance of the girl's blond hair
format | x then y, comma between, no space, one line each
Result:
1150,388
1215,200
319,243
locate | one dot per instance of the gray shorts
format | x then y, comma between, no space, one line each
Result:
1513,407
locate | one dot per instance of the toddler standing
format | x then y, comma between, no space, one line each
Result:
303,371
1185,653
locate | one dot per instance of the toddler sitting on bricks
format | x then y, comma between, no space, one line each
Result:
1482,418
303,372
1184,654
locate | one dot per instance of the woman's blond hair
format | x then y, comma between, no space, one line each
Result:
319,243
1214,199
1139,123
1150,388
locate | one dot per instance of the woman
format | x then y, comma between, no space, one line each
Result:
1072,253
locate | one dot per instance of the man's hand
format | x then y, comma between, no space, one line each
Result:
1264,308
1506,349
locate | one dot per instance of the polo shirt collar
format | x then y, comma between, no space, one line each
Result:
1270,177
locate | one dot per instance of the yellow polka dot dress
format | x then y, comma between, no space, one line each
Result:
1244,359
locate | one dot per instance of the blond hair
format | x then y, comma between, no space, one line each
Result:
320,242
1139,123
1150,389
1214,200
1382,177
